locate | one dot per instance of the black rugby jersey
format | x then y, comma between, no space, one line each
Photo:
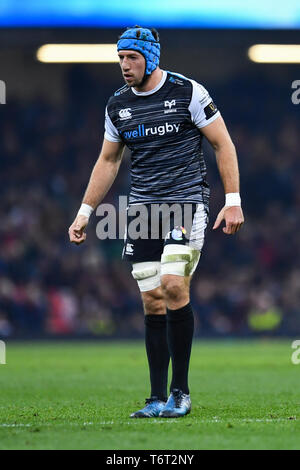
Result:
161,128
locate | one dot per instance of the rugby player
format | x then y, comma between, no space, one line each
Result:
162,117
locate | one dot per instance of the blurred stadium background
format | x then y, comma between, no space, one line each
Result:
51,130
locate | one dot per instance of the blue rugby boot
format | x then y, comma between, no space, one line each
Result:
151,410
178,404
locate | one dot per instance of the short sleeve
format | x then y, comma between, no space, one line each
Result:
111,132
202,108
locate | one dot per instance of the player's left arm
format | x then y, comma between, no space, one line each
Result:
227,162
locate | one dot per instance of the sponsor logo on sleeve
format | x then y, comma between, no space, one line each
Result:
210,110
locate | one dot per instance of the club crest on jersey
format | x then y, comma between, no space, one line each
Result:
169,104
125,114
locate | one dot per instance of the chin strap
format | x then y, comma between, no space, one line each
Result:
145,79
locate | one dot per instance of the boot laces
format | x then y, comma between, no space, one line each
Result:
150,400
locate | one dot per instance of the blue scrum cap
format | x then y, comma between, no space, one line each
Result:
141,40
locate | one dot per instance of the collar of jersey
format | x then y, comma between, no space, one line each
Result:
150,92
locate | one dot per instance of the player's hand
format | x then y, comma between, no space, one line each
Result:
234,219
76,231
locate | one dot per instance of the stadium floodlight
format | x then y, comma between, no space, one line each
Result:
275,53
70,53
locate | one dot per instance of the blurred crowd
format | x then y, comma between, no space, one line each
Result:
246,284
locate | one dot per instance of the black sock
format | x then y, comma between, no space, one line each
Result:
157,353
180,330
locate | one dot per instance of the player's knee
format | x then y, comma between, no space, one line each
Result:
154,302
174,288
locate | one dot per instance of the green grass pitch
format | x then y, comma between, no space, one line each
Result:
245,395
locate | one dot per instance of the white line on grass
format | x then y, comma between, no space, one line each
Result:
15,425
155,421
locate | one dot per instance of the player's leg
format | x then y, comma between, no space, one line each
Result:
144,255
156,341
147,275
180,327
178,263
180,330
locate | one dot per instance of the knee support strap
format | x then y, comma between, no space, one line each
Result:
147,275
180,260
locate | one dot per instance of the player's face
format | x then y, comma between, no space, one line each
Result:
133,65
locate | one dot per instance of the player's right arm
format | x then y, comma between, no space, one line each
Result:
101,179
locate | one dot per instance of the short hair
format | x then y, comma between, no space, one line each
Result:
137,26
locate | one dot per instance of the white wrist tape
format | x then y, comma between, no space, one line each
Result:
232,199
85,210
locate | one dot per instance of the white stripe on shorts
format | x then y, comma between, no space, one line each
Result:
200,222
